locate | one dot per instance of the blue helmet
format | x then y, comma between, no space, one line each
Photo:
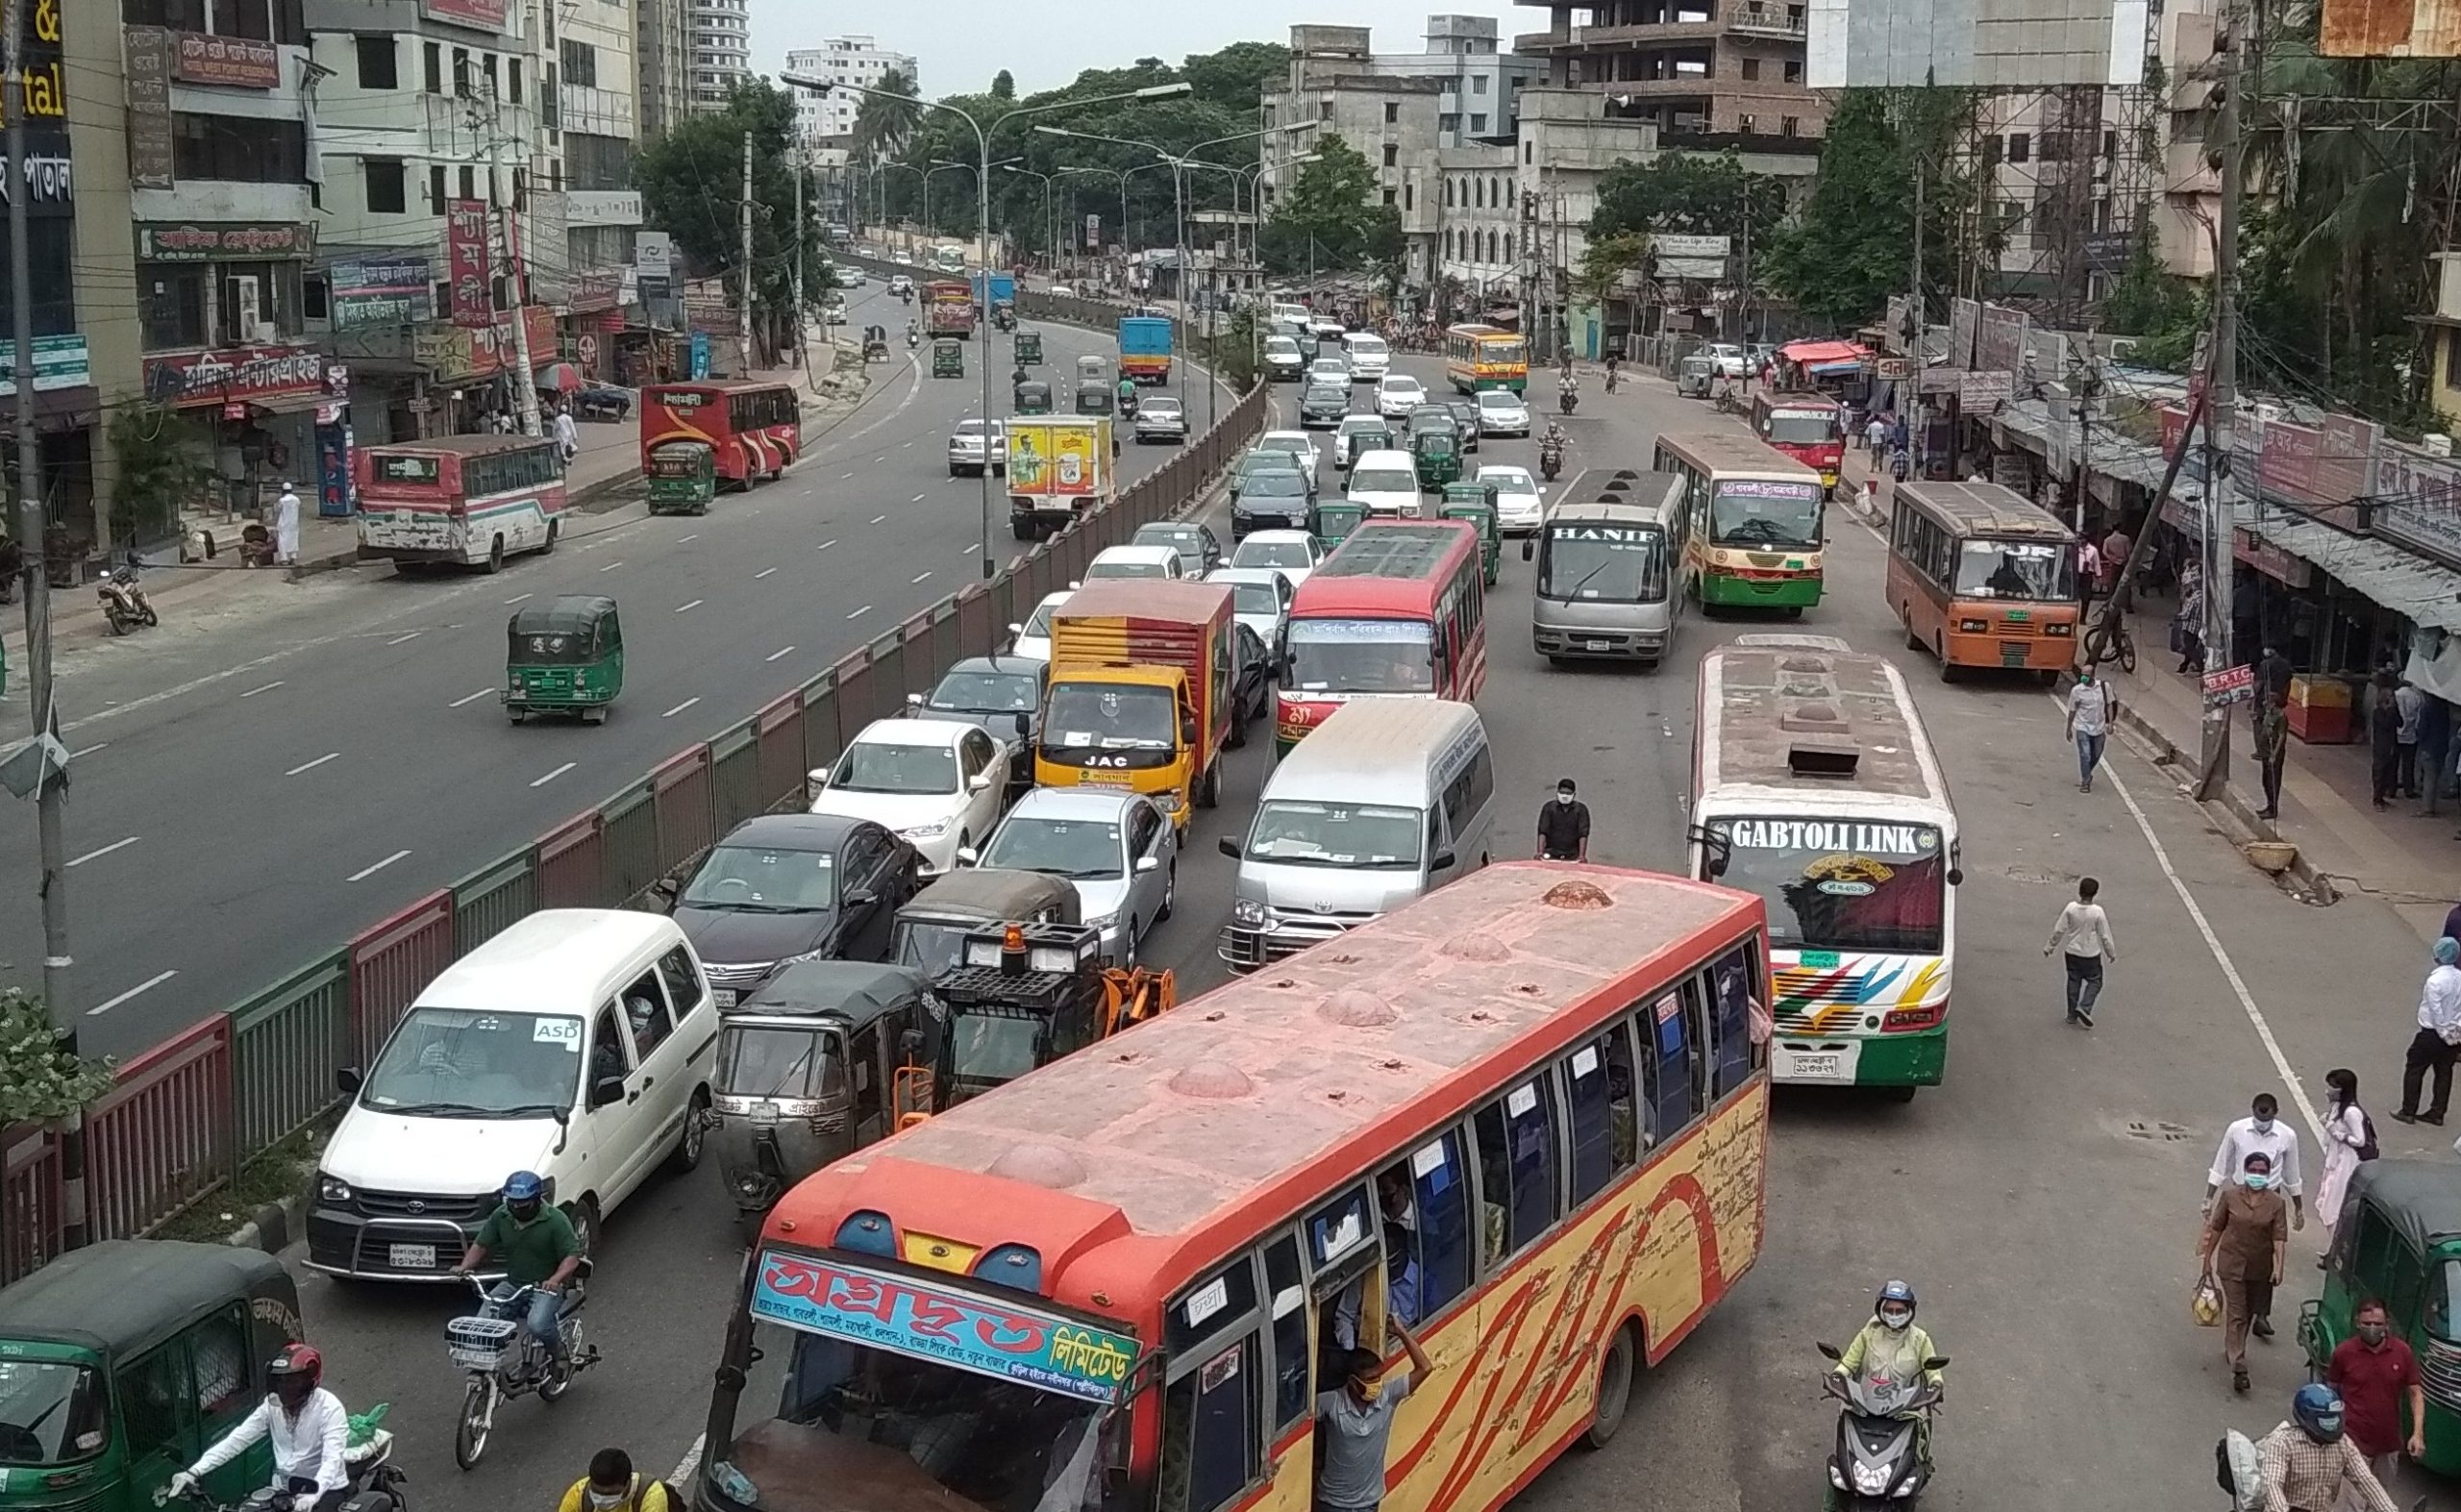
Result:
1895,1292
2318,1408
524,1186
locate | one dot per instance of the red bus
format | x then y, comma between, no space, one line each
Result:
458,499
1525,1116
754,426
1810,428
1399,608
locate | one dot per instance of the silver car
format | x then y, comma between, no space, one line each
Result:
1260,600
967,443
1121,852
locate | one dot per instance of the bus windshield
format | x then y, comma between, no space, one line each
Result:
1497,354
1841,885
1802,426
1989,569
1604,564
1766,512
1362,655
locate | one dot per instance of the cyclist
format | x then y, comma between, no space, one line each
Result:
307,1427
538,1248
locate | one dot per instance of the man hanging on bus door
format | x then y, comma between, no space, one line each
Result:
1354,1423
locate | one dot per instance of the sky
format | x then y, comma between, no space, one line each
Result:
960,44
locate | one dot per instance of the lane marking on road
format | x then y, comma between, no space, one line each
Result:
470,698
694,605
2220,956
88,751
842,476
398,640
779,652
902,445
876,518
147,985
370,870
694,536
266,688
116,845
925,573
612,565
556,773
762,573
678,708
515,599
309,766
859,613
825,545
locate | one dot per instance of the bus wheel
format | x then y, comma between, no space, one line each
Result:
1614,1390
1903,1094
1913,642
555,527
495,556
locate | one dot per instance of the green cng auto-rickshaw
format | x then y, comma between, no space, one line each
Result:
1032,397
682,477
948,360
1438,454
566,656
1695,376
122,1362
1476,502
1094,394
1336,518
2399,1240
1029,349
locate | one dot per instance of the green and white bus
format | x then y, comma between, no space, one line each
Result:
1759,518
1815,787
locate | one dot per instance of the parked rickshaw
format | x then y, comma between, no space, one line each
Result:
1336,518
84,1340
1438,454
565,657
1476,502
783,1093
1029,349
2398,1239
948,359
875,343
1695,376
1032,397
682,477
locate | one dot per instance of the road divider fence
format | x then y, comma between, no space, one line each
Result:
183,1118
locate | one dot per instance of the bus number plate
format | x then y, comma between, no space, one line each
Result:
1827,1063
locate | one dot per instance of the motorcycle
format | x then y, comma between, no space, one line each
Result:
375,1484
913,340
1551,459
1127,407
124,604
1875,1464
1568,397
505,1361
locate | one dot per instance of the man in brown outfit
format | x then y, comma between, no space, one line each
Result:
2245,1234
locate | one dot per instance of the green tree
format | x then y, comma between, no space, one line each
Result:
2146,298
1004,85
1605,259
884,118
691,182
1236,77
1689,193
1852,246
38,1079
165,460
1329,220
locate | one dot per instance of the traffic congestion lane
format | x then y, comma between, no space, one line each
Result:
371,763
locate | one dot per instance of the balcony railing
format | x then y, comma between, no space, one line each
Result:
1765,21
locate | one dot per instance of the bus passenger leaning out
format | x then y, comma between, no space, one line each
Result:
1354,1422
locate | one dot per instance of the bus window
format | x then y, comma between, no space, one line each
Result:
1666,1065
1734,983
1586,1110
1212,1307
1210,1440
1286,1301
1425,1204
1622,1107
1517,1160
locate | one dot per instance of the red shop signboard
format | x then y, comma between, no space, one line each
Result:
465,252
234,376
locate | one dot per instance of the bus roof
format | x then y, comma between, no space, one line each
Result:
1733,452
1772,706
1391,565
1619,493
717,385
464,445
1796,401
1475,328
1247,1103
1984,509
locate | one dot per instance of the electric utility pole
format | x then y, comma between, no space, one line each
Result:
1919,323
743,326
2221,387
525,387
795,318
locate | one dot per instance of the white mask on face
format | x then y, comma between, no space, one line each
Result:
1563,797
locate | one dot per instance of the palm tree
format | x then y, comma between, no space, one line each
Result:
886,115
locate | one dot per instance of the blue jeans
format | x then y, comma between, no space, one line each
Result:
2084,983
2089,754
545,1309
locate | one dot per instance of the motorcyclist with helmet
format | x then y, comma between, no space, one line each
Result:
537,1246
306,1425
2309,1467
1892,1346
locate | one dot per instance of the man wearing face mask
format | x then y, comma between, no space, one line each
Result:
612,1486
1354,1424
1563,827
537,1246
306,1427
2375,1372
2261,1132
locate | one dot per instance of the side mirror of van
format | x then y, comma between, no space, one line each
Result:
1956,875
1444,861
1528,547
968,855
1149,864
606,1090
1230,846
349,1079
914,701
1015,628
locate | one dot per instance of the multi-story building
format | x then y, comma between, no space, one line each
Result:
594,132
662,69
842,60
81,256
2190,207
1691,67
718,36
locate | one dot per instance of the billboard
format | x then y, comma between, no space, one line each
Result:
2390,29
2013,45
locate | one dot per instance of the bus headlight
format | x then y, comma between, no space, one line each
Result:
2059,627
1973,626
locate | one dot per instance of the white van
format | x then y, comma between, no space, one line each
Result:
1399,801
1370,359
575,1044
1387,484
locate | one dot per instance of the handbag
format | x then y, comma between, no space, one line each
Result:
2206,1302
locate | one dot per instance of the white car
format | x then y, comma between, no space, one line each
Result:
1063,291
900,284
1333,369
1033,635
1370,359
966,449
1346,437
1397,394
1135,561
1294,553
1386,483
1298,443
1502,412
1728,357
1520,504
1118,850
1260,597
936,783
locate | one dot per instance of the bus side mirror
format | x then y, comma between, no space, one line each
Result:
1956,875
1528,547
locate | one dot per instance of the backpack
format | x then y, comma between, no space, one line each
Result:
2367,1151
2239,1469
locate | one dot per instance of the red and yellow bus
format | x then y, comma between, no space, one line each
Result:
1982,576
466,501
1397,609
1485,356
1526,1115
1810,428
754,426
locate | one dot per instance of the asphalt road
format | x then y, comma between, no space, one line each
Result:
2043,1202
264,780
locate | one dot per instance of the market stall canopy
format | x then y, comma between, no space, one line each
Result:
560,378
1822,356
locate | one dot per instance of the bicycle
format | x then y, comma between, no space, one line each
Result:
503,1361
2108,640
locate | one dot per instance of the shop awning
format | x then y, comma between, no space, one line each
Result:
2392,577
1819,354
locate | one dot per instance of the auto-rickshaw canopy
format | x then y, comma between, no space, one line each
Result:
1033,397
572,627
849,993
2420,1200
122,1297
1029,349
935,920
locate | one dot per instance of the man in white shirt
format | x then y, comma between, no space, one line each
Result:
2438,1037
567,436
2261,1132
307,1427
2089,714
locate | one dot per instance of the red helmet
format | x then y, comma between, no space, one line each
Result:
296,1360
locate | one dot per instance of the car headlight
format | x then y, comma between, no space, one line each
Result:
1104,923
925,831
1247,911
332,1189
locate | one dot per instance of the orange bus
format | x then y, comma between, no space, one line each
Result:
1810,428
1526,1115
754,426
1982,576
1400,608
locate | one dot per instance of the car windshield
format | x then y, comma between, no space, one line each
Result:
1604,564
1841,885
454,1063
876,766
1362,656
1508,479
1038,622
1081,849
2015,570
1109,717
1383,480
1321,394
772,1060
1500,399
1767,512
1128,567
51,1412
1367,836
985,693
1254,598
1280,346
988,1049
1802,426
1274,483
1254,552
1367,346
758,879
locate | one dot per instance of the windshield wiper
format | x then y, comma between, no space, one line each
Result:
527,1109
440,1110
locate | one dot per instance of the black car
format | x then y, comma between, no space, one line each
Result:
1001,695
1322,406
602,401
789,887
1272,499
1252,672
1465,420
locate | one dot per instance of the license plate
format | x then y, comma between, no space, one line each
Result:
1596,645
1826,1063
723,996
411,1257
